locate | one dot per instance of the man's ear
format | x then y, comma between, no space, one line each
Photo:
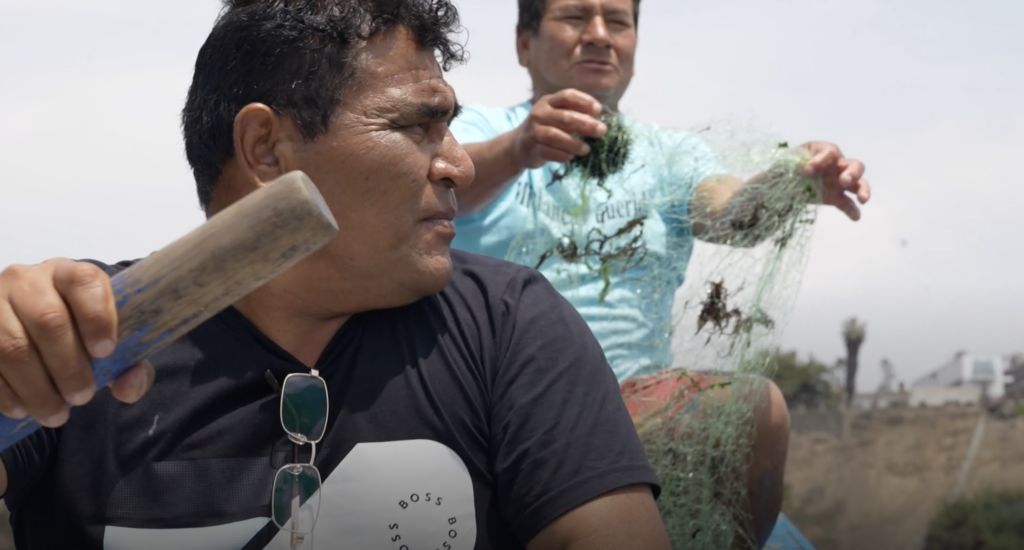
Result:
263,143
523,47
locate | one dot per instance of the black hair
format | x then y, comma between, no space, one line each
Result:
295,57
532,11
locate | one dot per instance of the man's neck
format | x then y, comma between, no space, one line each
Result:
300,326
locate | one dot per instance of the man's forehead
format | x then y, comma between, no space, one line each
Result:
607,6
429,98
397,79
434,92
394,56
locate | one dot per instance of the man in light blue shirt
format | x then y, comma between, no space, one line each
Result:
631,313
580,54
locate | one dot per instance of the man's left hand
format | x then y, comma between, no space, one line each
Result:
840,177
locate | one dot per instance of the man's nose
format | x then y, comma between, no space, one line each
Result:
596,32
452,166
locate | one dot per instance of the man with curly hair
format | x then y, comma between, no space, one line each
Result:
386,393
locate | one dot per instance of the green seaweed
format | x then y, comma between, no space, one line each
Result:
608,155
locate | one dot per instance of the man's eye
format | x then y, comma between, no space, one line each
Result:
416,127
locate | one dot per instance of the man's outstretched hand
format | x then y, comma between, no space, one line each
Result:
841,177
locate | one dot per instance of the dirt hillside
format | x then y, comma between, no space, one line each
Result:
873,480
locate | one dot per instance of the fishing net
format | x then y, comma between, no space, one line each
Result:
619,246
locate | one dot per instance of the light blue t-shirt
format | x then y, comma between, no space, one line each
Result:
569,223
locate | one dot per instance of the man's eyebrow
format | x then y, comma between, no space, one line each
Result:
578,8
584,9
616,11
434,111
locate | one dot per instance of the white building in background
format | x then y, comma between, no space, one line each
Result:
881,400
940,396
964,380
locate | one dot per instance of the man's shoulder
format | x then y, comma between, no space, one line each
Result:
498,289
674,153
478,122
511,115
651,134
492,275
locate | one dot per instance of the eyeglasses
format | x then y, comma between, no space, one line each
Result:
296,497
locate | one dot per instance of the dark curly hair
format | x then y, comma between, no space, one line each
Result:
295,57
532,11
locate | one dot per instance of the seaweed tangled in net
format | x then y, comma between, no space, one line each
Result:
717,307
608,154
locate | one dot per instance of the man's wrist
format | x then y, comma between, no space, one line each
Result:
513,150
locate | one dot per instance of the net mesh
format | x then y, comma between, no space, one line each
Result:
724,303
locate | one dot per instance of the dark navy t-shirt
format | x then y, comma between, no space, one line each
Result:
469,419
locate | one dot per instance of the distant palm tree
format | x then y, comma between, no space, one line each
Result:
853,335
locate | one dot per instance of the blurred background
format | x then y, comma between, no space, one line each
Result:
924,292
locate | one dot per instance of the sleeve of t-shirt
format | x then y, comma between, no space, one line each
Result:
688,162
475,124
28,460
561,434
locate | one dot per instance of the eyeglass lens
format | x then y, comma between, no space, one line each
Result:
304,407
296,501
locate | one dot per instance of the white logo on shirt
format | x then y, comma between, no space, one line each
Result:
398,495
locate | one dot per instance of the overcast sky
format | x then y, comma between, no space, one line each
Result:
929,94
